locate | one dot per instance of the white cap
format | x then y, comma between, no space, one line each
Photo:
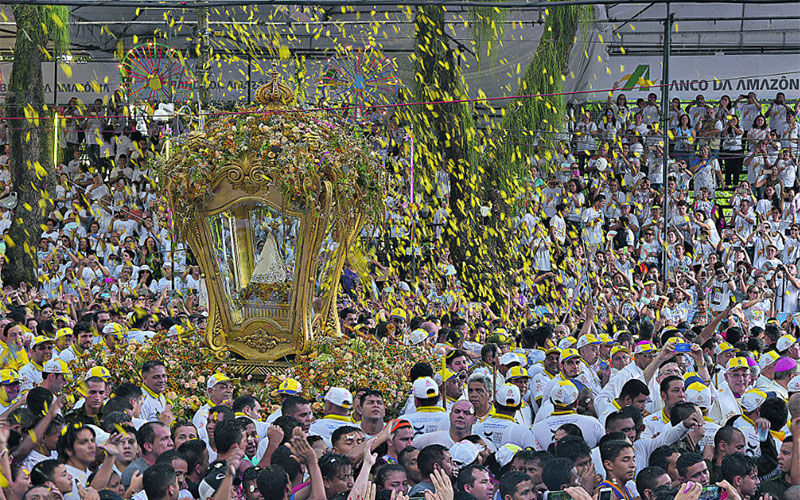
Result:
216,379
767,359
699,394
785,342
566,343
416,337
752,399
56,365
509,358
794,384
424,388
464,453
565,393
339,397
505,454
587,339
507,395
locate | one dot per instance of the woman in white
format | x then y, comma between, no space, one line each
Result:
621,110
608,127
707,172
759,131
732,135
787,168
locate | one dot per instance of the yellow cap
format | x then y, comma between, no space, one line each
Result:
737,362
569,353
64,332
619,348
41,339
517,372
8,376
98,371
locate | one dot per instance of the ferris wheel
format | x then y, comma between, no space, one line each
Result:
155,73
360,82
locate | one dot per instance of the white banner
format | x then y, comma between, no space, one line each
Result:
712,76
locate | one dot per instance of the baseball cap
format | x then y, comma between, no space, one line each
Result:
41,339
722,348
340,397
794,384
699,394
767,359
505,454
618,348
507,395
115,329
216,379
565,393
444,375
569,353
8,376
691,377
517,372
289,386
566,342
56,366
463,453
416,337
785,342
64,332
551,350
399,314
644,347
209,485
738,362
752,399
785,364
98,371
509,358
588,339
606,338
424,388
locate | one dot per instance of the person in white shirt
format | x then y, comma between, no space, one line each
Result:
462,420
154,376
748,109
41,351
592,220
500,428
219,389
429,415
338,403
565,403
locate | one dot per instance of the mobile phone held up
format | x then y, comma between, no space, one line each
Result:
683,347
556,495
710,493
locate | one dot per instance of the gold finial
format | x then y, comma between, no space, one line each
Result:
275,93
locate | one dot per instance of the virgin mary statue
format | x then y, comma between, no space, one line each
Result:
269,266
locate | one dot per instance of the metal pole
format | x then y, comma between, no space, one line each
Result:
665,127
249,78
203,55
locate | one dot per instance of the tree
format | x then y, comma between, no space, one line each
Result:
39,28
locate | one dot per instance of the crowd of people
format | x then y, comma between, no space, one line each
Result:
647,349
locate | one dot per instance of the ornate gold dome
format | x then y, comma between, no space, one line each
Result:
275,93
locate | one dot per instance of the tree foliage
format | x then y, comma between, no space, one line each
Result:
42,34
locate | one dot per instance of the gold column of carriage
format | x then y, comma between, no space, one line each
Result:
257,194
